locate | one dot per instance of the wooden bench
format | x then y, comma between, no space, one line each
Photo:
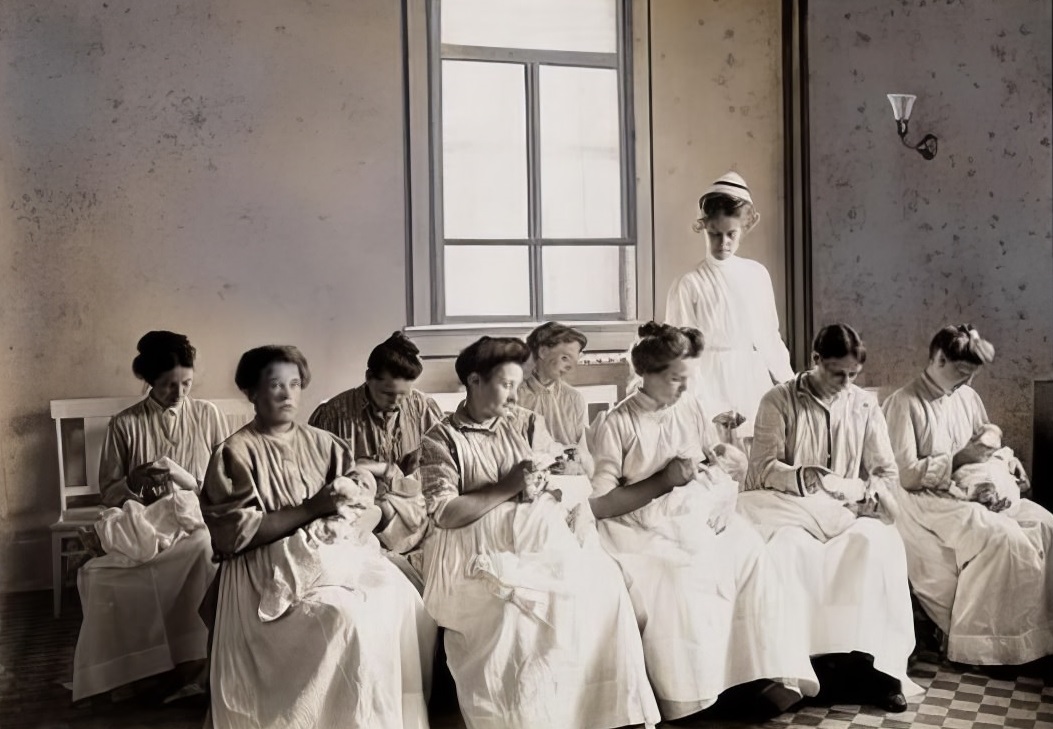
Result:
80,429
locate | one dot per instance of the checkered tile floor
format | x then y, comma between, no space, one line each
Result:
36,655
952,699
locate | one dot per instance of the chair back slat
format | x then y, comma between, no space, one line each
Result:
94,437
72,453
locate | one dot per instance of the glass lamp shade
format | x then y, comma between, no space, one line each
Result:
901,105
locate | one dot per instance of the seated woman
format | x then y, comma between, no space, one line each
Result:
982,572
141,617
821,445
710,605
540,632
383,420
314,627
554,350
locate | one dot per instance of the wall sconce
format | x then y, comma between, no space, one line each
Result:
901,107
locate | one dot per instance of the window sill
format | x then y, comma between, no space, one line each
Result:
441,341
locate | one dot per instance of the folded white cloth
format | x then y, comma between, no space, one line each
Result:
140,532
987,482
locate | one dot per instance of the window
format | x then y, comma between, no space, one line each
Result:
524,186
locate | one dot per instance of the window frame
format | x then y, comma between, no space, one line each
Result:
425,273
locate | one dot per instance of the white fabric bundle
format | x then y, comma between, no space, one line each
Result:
299,562
991,481
140,532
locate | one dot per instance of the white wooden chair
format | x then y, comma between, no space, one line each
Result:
80,429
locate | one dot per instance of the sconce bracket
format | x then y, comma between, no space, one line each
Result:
928,145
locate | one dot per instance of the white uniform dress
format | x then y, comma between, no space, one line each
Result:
712,608
540,632
354,649
854,585
141,618
985,578
732,303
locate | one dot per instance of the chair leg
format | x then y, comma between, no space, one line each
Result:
56,572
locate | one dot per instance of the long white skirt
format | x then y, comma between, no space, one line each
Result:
141,619
853,589
540,632
713,611
346,657
985,579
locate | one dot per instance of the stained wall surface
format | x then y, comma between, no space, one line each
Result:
904,245
232,171
716,86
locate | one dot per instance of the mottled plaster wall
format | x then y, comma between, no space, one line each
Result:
902,245
716,86
229,170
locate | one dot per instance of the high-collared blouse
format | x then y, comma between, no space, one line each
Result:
147,431
795,429
927,426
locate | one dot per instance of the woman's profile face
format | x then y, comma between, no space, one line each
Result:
834,374
277,396
494,396
724,234
667,386
171,387
951,375
557,361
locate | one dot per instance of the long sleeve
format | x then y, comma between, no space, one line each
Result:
679,306
113,467
879,459
769,340
904,416
440,476
768,467
230,501
409,524
607,454
327,417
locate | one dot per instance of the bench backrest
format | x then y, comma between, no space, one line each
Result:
80,429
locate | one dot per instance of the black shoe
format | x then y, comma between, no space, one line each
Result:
774,699
893,702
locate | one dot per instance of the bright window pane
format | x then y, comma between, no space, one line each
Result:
563,25
487,281
484,185
580,168
586,279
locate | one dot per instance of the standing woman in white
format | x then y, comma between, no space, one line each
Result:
730,300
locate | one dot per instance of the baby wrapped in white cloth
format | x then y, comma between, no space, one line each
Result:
709,499
322,553
991,482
